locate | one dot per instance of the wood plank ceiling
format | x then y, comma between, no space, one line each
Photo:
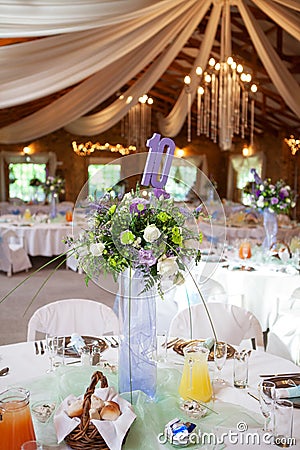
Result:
271,111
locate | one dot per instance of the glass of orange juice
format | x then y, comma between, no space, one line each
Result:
245,250
69,216
195,382
16,426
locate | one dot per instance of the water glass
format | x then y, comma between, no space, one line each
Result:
161,347
31,445
240,369
220,355
51,348
267,391
283,423
60,357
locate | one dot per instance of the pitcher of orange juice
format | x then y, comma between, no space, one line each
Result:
16,425
195,382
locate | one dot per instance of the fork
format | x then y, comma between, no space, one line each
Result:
42,347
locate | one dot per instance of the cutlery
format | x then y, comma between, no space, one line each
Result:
4,371
171,344
115,340
253,396
112,344
36,348
281,375
42,348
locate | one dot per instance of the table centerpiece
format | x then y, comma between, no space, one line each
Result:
271,199
53,187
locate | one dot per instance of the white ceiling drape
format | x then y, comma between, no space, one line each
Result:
113,41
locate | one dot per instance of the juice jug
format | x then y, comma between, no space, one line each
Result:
195,382
16,425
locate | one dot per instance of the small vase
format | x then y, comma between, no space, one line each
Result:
271,228
137,317
53,206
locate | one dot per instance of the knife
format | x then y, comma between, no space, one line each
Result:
291,374
36,348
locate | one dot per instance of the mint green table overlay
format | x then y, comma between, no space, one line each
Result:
151,416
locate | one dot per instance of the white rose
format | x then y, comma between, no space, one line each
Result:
260,201
97,249
151,233
167,267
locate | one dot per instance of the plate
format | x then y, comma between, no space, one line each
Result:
182,343
89,341
283,382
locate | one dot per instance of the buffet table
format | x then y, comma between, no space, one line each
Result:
234,406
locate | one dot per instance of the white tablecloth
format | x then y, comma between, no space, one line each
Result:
42,239
25,365
258,291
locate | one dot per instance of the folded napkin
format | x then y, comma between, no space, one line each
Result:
113,432
288,392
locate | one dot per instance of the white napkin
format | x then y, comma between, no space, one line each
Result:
113,432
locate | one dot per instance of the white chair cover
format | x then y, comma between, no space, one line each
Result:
13,256
64,317
232,323
284,337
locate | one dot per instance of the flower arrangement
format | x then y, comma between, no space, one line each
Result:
143,230
54,185
276,197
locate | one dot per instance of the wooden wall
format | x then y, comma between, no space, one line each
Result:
279,161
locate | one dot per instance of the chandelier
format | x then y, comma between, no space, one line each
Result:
136,126
88,148
222,95
293,143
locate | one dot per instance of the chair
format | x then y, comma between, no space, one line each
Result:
232,323
284,334
64,317
13,256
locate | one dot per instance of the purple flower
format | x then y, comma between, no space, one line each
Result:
138,205
283,193
257,178
257,193
146,257
160,192
274,201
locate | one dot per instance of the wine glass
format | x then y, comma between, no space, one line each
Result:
266,390
51,349
220,354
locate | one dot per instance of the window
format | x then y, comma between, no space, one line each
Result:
102,176
20,175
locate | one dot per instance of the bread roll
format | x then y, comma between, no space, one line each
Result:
96,402
110,411
75,408
94,414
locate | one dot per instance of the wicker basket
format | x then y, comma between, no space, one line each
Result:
86,436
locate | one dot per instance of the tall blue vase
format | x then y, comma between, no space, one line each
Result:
53,206
137,349
271,228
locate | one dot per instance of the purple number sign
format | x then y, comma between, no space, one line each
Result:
156,150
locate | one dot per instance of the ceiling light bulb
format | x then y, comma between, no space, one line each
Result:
187,80
233,65
200,90
229,60
207,78
218,66
243,77
253,88
199,71
248,77
212,62
240,68
150,101
129,99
